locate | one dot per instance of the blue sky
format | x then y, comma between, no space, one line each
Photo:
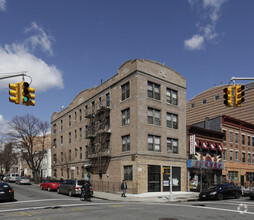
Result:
67,46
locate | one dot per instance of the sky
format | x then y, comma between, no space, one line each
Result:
67,46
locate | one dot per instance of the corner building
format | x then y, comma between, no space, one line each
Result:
130,127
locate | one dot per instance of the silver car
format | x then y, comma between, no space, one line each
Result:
71,187
23,180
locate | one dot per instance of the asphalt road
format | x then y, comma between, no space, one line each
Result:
33,203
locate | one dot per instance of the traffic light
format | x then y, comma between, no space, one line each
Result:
14,93
238,95
26,96
228,96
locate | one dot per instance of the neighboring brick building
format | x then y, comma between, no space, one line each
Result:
210,104
129,127
238,148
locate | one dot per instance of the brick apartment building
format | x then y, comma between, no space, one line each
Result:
238,148
129,127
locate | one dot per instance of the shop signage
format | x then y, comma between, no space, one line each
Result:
192,144
205,164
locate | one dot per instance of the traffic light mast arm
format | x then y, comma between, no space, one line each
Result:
11,76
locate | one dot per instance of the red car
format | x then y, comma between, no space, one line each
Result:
50,185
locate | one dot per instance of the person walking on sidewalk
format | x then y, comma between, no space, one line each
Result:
123,187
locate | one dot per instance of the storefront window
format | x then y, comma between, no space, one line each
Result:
233,176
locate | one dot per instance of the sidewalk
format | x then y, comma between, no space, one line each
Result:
148,197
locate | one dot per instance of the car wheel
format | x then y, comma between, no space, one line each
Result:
70,193
49,189
58,191
237,195
220,196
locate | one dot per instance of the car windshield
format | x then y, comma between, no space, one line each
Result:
213,188
4,186
81,182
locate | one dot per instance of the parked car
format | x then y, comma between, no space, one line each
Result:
23,180
6,192
12,177
72,187
251,192
50,185
221,191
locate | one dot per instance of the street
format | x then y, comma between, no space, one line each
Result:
33,203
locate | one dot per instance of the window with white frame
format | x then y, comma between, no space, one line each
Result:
248,140
231,136
153,90
172,96
224,154
243,157
154,143
126,116
154,116
243,139
249,158
172,145
231,155
236,138
172,120
236,156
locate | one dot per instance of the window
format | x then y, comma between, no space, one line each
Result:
69,137
217,97
153,90
76,152
236,156
125,117
80,133
243,139
108,99
249,158
75,116
231,156
192,105
61,125
80,115
231,136
54,143
80,153
54,158
172,96
62,157
172,145
236,138
54,128
204,101
225,135
154,143
232,175
224,154
128,173
252,158
248,140
126,143
55,173
93,107
86,110
154,116
243,157
69,120
77,171
172,120
75,134
125,91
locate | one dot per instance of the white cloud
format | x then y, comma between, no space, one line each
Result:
207,32
194,43
18,57
2,5
40,38
4,126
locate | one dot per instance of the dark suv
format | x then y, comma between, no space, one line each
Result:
71,187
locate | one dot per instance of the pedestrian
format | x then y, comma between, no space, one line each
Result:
123,187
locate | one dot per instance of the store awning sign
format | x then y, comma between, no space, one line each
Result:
220,147
205,164
204,144
212,146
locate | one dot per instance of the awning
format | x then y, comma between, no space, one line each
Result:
204,144
212,145
197,143
219,147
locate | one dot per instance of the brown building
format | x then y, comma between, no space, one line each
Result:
129,127
210,104
238,148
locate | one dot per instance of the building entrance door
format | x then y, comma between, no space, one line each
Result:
154,178
242,180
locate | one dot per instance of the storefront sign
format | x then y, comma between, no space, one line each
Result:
192,145
205,164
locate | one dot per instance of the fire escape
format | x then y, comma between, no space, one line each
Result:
98,132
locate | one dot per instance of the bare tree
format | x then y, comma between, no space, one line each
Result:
8,157
30,133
